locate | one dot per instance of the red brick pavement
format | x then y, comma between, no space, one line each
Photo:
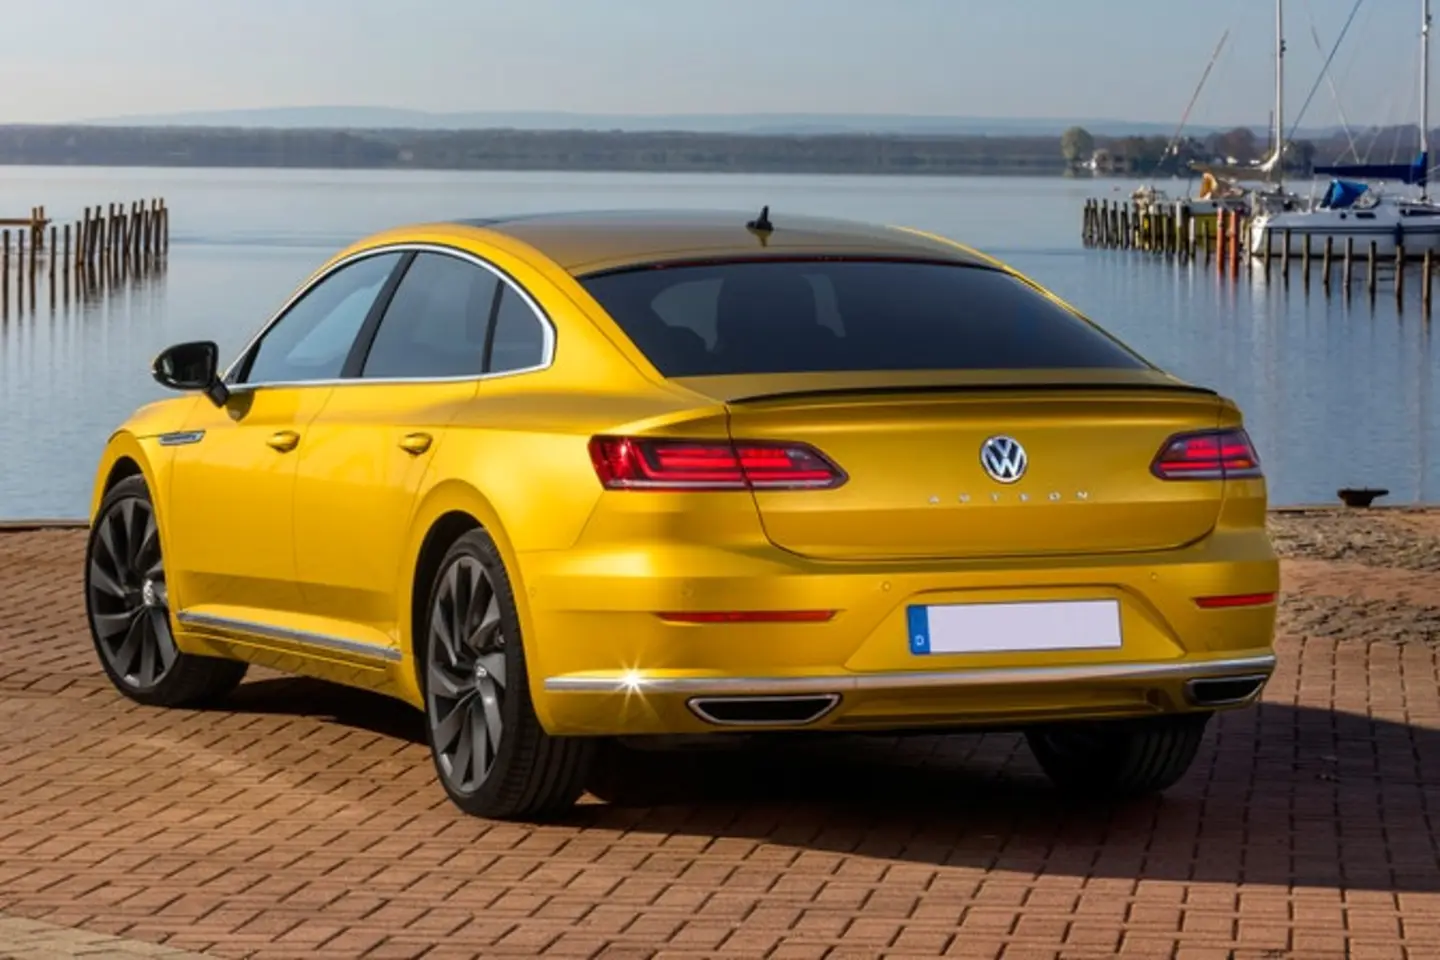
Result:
304,821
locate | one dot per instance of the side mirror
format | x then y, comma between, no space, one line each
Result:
191,366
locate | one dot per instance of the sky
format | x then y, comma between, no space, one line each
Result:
71,60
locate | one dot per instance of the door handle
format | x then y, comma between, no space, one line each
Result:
416,443
284,440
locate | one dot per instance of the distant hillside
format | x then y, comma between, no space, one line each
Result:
362,118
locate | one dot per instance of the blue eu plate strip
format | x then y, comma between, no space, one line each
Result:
919,618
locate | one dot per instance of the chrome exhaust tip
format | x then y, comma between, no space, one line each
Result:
794,710
1224,691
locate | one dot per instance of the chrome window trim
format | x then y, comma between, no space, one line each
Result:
301,637
547,326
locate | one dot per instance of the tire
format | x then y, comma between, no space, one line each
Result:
128,608
1118,759
490,752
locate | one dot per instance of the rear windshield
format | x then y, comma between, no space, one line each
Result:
817,316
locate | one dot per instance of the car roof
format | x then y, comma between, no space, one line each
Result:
591,241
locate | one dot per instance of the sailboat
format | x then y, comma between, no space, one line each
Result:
1224,179
1351,209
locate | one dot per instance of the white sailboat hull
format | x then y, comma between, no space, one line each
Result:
1386,226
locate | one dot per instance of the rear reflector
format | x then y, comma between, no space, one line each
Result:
1236,600
749,616
629,463
1212,455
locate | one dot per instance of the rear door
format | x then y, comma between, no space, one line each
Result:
972,415
369,449
452,322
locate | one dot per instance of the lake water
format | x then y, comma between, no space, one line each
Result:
1337,392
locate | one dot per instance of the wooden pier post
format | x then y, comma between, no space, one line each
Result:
1285,255
1326,262
1237,242
1221,225
1349,262
1370,280
65,255
51,251
5,271
1425,280
1305,259
1399,271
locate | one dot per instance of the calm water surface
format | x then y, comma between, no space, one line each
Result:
1337,392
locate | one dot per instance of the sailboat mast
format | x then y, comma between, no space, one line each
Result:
1280,92
1425,95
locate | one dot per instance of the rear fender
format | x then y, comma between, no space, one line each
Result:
450,496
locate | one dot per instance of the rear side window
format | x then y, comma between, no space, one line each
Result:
436,323
519,340
845,315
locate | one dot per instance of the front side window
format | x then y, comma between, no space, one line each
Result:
435,325
819,316
314,337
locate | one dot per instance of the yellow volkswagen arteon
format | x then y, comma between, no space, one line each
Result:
553,479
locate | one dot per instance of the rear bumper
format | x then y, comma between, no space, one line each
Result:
1258,666
603,662
998,697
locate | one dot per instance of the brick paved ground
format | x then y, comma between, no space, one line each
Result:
305,822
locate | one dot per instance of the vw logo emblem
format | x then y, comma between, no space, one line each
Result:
1004,459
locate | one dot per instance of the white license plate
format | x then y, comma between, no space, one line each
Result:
1014,627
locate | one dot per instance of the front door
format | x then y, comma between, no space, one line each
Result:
368,452
231,501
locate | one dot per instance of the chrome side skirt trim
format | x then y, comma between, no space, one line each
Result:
638,682
303,638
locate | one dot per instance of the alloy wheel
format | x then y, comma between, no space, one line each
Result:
129,602
466,675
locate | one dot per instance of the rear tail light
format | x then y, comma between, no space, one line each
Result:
630,463
1212,455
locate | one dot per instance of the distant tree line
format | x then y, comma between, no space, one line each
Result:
669,152
1157,156
527,150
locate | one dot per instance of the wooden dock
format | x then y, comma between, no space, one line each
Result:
103,250
1172,231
